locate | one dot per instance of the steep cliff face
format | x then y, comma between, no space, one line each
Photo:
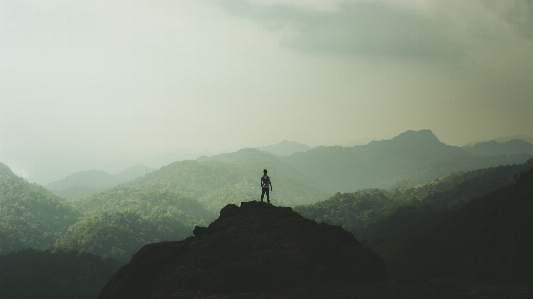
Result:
253,248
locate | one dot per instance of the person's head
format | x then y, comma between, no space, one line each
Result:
264,171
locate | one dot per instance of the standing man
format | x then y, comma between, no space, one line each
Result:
265,182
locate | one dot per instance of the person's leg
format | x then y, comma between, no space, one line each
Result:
268,195
263,194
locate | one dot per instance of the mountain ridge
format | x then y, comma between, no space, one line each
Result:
253,248
85,183
285,148
486,239
413,155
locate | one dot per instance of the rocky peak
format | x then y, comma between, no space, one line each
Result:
254,248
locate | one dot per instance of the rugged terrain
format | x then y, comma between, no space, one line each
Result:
254,248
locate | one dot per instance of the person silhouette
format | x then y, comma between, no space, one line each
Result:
265,182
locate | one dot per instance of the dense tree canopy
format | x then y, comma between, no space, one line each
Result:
30,216
375,214
150,203
121,234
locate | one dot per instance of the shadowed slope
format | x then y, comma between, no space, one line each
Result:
254,248
489,238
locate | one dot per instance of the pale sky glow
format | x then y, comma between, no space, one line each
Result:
110,84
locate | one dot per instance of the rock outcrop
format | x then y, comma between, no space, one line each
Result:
249,249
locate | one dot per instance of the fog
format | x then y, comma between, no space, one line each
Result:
110,84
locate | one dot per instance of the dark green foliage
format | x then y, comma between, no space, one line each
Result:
489,238
30,274
196,180
121,220
121,234
232,178
353,211
373,214
30,216
291,187
149,203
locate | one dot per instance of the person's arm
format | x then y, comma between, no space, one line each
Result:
270,185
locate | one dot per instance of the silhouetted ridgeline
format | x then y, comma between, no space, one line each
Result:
249,249
375,214
489,238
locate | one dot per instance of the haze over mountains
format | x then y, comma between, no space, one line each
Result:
84,183
165,204
413,155
308,175
495,148
285,148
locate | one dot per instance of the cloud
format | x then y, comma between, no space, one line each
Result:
432,30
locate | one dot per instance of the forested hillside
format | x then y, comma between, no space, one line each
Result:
375,214
121,234
116,222
489,238
418,156
232,178
30,216
85,183
120,220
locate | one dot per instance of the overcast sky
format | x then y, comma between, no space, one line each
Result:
110,84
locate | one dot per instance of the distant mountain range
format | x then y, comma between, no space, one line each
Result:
503,139
417,156
285,148
232,178
495,148
84,183
413,155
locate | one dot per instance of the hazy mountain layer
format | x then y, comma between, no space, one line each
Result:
285,148
494,148
414,155
5,170
503,139
84,183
